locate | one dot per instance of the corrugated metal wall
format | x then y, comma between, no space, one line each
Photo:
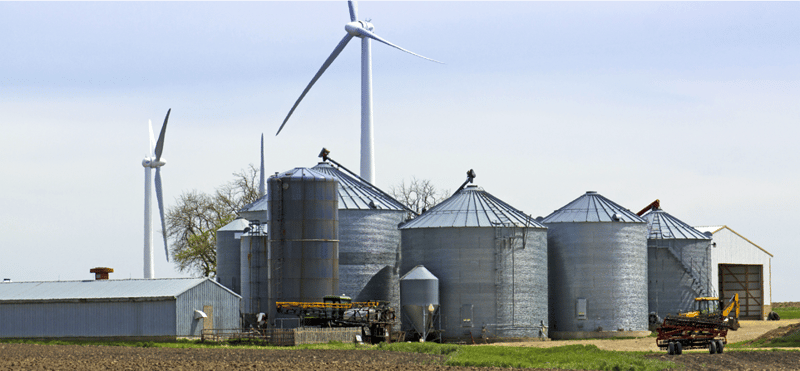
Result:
486,278
88,319
228,255
598,278
369,244
224,303
671,286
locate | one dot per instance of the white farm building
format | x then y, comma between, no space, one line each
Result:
740,266
141,309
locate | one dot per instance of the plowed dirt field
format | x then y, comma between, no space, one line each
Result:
75,357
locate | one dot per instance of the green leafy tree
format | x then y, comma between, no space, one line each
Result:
193,222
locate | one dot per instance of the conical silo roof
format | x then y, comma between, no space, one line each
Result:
418,273
236,225
255,209
663,226
472,207
304,173
355,194
592,207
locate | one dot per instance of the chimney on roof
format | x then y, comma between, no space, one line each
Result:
101,273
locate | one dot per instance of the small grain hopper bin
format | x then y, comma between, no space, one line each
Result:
491,261
598,270
419,293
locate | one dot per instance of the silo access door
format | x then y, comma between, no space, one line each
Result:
747,281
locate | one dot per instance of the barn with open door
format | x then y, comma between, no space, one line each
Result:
741,267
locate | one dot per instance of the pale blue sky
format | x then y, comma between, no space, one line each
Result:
692,103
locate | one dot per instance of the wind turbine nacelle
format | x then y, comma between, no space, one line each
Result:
152,163
352,27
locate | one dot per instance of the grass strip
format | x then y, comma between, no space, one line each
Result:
582,357
787,312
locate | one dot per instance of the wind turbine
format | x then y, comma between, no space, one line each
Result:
363,30
153,161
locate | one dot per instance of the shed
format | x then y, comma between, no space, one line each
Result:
740,266
140,309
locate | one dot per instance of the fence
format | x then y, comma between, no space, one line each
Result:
285,337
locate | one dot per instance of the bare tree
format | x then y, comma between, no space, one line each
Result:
193,222
418,195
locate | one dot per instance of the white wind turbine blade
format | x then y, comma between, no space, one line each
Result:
353,10
365,33
160,199
160,143
152,139
322,69
261,184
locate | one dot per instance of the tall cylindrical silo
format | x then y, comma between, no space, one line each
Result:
491,261
678,264
419,292
598,270
304,237
228,253
369,240
254,272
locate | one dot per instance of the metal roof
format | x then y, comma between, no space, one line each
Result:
716,228
663,226
304,173
355,194
592,207
99,290
418,273
236,225
472,207
255,206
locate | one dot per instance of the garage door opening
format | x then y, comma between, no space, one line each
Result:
748,282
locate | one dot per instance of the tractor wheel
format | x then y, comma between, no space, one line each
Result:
678,348
712,346
671,348
720,346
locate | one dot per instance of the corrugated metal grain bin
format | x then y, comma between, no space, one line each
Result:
254,268
154,309
491,261
304,237
369,240
228,253
678,264
598,270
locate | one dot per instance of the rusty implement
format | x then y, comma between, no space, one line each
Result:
678,333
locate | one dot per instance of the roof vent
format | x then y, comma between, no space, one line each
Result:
101,273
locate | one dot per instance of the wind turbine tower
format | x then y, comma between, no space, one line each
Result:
363,30
153,161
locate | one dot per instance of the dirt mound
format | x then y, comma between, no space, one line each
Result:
778,333
786,304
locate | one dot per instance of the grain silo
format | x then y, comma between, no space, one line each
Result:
304,237
228,254
491,261
369,241
598,270
254,272
678,263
